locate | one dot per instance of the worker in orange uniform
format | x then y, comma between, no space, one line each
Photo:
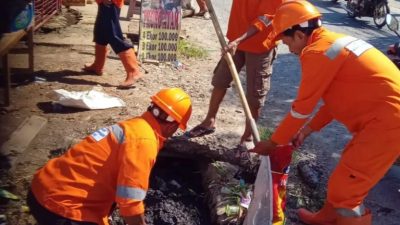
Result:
247,30
111,165
360,87
107,30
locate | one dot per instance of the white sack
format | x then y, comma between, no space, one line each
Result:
260,210
92,99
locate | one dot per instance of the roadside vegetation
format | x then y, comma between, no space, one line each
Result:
188,49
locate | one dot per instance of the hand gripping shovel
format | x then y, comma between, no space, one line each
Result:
260,209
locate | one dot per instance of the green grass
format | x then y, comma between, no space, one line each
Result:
190,50
265,133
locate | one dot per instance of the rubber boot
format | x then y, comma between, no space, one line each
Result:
99,60
363,220
326,216
129,60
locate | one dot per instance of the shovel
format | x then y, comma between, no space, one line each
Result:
260,209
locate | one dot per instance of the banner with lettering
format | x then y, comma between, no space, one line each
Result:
160,22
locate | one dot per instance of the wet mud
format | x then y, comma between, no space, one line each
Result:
176,195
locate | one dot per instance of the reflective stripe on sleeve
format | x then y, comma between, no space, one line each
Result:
265,20
338,45
356,46
100,134
131,193
298,115
118,133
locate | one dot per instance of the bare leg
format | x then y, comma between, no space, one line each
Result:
217,96
203,7
247,135
131,9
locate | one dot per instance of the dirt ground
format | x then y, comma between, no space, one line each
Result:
59,57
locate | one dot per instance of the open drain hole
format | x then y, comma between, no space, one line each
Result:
176,195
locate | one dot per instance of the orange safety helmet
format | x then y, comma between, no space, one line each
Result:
291,13
176,103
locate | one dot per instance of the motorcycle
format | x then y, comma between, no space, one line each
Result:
393,50
378,9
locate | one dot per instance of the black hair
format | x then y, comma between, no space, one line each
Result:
312,25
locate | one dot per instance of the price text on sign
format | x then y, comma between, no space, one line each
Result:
159,33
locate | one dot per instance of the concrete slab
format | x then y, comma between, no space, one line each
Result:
21,138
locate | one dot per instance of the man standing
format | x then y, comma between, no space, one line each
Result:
360,87
111,165
247,30
107,30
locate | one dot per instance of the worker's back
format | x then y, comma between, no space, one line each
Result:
364,87
82,184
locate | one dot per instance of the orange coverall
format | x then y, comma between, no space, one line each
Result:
360,87
111,165
246,13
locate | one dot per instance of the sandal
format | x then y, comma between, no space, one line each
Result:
126,87
199,131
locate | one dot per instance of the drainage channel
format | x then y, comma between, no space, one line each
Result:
176,195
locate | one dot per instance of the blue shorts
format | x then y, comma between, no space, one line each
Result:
107,29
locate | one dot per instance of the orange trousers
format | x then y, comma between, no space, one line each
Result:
280,161
364,161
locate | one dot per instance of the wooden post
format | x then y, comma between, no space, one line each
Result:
6,68
30,49
20,139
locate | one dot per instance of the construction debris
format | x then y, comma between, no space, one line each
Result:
225,194
8,195
309,174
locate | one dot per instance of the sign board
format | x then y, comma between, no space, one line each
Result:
160,22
